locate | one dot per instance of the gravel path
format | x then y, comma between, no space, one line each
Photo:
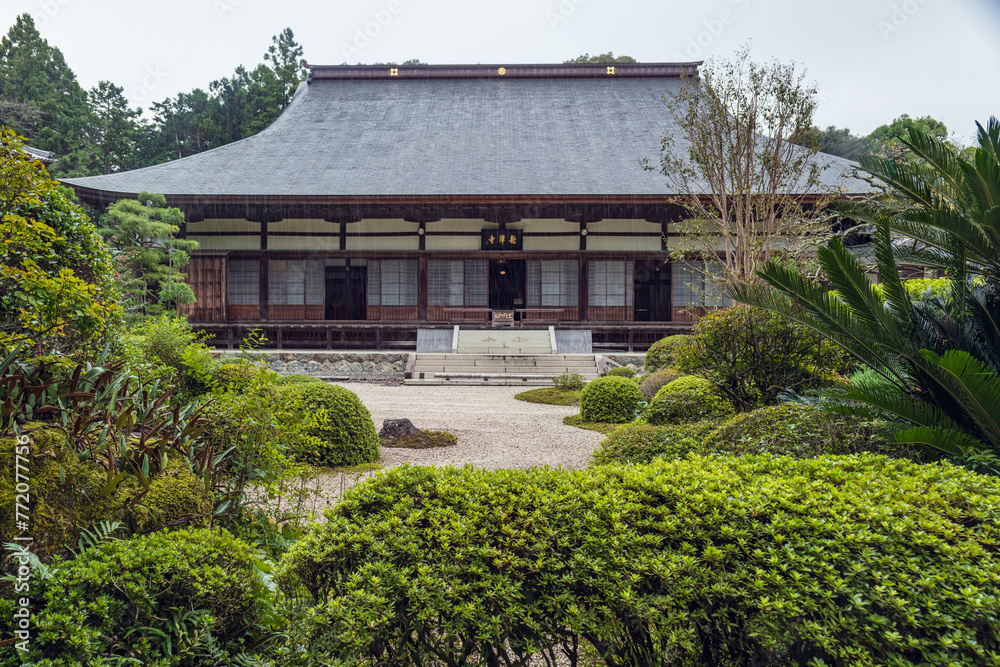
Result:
493,429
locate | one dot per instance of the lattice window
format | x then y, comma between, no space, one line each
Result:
553,283
693,285
445,283
477,281
399,282
286,282
610,283
244,282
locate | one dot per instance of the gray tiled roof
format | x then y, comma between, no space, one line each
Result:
442,137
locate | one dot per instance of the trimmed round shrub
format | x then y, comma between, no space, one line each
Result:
644,443
609,399
686,399
344,433
120,598
175,496
661,354
653,382
621,372
298,379
801,431
761,560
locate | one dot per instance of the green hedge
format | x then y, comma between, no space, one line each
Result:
644,443
622,372
763,560
801,430
685,399
609,399
790,429
661,354
123,600
347,435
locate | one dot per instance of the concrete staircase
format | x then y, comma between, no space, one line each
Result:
490,357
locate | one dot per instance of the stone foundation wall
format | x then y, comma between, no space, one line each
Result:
355,365
634,361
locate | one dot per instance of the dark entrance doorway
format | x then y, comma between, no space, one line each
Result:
507,284
346,290
652,292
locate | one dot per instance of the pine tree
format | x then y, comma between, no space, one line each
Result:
143,231
34,73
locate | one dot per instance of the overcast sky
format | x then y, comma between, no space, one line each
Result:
871,59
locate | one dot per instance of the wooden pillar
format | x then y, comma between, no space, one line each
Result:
263,286
343,235
422,286
583,292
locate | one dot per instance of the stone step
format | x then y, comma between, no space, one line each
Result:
482,382
526,362
548,372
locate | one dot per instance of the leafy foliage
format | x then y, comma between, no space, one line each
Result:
609,399
938,358
185,598
621,372
56,289
661,354
644,443
569,381
753,355
686,399
343,433
799,430
762,560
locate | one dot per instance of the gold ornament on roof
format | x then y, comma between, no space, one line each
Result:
611,70
502,71
393,72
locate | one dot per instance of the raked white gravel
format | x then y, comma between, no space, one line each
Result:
494,430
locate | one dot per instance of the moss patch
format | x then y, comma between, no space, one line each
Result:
550,396
600,427
422,440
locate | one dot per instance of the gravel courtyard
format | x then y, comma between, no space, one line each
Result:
493,429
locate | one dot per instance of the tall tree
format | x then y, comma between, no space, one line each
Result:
113,129
608,57
838,141
741,176
182,126
34,73
143,231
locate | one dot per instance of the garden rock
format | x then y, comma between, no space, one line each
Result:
395,428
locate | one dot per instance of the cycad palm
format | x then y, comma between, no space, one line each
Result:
940,358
